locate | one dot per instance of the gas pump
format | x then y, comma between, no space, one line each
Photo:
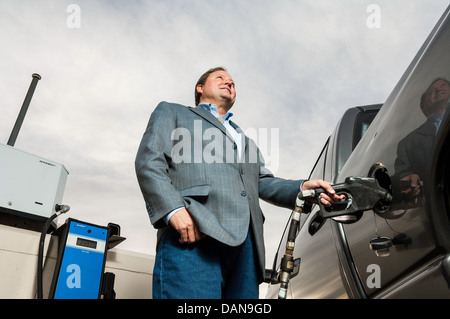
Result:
31,190
361,194
80,263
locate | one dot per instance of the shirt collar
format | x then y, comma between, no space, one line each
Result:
212,108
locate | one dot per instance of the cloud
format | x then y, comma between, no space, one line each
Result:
297,66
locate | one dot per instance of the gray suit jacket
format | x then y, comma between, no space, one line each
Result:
187,159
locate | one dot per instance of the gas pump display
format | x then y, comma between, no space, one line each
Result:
80,264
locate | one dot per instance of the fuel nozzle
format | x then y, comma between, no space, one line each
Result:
361,194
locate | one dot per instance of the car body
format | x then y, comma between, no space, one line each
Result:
338,259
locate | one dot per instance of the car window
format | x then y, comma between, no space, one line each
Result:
362,123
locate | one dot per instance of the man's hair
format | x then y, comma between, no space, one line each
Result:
202,80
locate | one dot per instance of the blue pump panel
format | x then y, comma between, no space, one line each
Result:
82,264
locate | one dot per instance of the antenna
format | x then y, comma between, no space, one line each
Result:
23,110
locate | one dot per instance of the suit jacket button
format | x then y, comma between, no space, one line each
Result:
243,193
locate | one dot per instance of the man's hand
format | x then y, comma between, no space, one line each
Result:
413,185
185,225
326,199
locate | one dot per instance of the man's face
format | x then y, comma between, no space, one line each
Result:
218,88
439,92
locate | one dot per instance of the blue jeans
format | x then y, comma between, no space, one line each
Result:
207,269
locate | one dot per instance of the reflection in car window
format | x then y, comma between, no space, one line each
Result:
413,151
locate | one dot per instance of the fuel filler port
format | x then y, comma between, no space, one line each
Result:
380,173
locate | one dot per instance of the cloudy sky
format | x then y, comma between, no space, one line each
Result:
105,65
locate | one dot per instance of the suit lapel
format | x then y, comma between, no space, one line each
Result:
209,117
199,110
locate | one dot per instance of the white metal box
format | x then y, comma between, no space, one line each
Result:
30,186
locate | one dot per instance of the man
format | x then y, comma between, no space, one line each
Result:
414,150
203,197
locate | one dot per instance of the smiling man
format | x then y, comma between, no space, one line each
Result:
210,224
216,88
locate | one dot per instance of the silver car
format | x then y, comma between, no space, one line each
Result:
402,251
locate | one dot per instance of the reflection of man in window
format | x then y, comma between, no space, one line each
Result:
438,97
414,150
